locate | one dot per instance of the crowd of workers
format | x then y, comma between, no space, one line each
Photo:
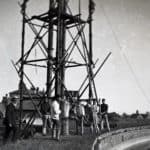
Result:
94,112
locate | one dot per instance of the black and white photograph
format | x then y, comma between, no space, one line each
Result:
74,74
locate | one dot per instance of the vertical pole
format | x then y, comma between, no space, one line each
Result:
22,61
90,31
90,50
63,37
60,52
65,124
49,52
79,7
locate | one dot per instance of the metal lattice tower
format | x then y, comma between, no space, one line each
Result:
52,32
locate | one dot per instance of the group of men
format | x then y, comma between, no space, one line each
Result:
51,116
48,113
97,114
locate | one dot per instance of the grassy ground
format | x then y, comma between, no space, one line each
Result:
39,142
73,142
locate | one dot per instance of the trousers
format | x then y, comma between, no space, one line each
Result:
7,132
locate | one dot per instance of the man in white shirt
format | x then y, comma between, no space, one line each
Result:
55,115
93,118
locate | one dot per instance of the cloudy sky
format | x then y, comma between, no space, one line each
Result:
120,26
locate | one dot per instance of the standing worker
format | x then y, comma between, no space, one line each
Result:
104,113
55,115
10,121
94,111
80,114
45,111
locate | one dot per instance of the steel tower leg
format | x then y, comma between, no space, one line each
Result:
60,52
21,83
90,52
60,49
49,52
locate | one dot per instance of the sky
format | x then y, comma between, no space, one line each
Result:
119,26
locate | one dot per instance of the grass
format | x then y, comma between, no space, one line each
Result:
45,143
72,142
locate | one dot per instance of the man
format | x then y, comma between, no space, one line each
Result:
104,114
80,114
10,121
45,111
93,116
55,115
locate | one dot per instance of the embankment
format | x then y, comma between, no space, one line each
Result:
111,140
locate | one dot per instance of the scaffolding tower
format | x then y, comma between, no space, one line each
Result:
52,29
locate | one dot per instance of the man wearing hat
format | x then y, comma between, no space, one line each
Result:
10,121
